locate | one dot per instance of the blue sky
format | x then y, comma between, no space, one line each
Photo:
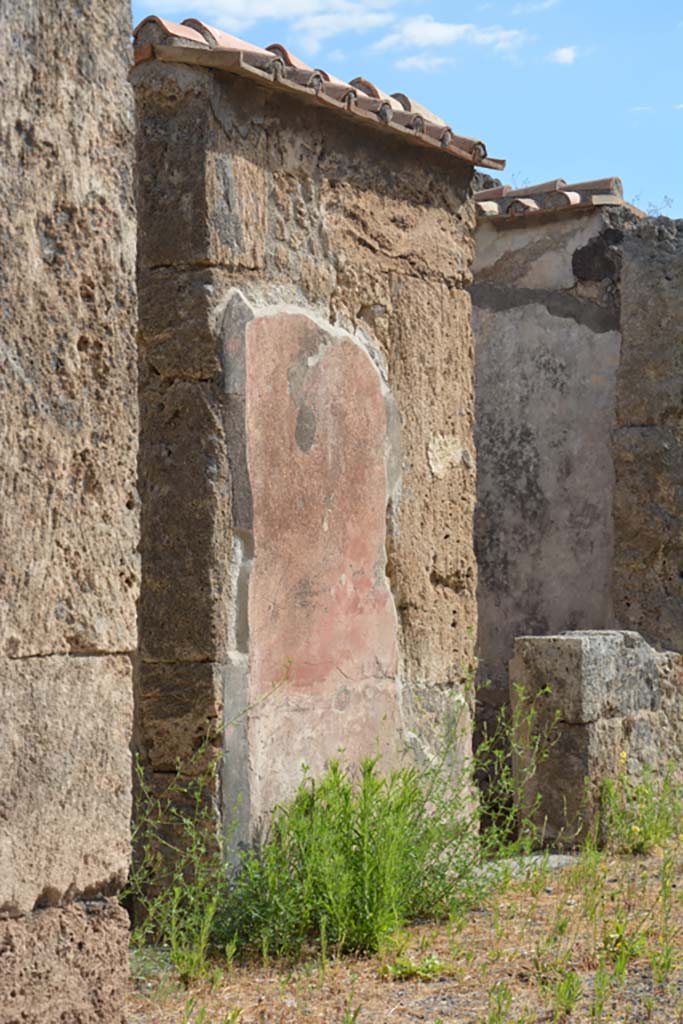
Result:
560,88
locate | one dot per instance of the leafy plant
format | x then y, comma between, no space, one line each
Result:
346,863
638,814
567,994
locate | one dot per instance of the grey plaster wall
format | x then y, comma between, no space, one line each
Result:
578,320
545,319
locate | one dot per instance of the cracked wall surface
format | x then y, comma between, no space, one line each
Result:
69,577
269,437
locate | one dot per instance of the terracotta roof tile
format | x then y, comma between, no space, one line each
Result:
290,60
170,29
216,37
196,43
548,196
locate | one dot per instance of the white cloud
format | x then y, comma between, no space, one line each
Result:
535,8
425,32
640,110
563,55
679,106
237,15
316,28
423,62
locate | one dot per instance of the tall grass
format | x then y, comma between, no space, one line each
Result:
354,856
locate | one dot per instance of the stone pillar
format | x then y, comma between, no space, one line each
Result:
306,396
69,578
648,440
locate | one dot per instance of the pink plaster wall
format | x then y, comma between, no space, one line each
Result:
322,622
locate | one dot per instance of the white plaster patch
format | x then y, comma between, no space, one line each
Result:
443,454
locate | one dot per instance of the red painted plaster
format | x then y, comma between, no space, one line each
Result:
320,610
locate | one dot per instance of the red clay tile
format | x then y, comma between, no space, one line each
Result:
288,57
487,208
172,29
417,108
362,85
521,206
548,196
562,198
226,52
381,108
217,37
409,120
493,193
599,185
544,186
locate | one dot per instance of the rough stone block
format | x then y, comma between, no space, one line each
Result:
589,674
68,432
65,964
186,547
172,114
65,800
592,695
177,336
181,714
648,453
647,576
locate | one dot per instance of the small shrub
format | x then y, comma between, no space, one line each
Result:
637,815
347,862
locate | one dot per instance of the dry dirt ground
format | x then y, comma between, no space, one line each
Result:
600,940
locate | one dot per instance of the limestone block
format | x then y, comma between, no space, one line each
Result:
589,674
65,964
65,798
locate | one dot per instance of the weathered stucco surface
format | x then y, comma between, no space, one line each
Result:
603,703
68,439
547,355
648,441
266,451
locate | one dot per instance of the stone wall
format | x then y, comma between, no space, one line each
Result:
546,323
648,440
307,458
579,327
67,473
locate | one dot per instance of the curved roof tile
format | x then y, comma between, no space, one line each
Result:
195,42
549,196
